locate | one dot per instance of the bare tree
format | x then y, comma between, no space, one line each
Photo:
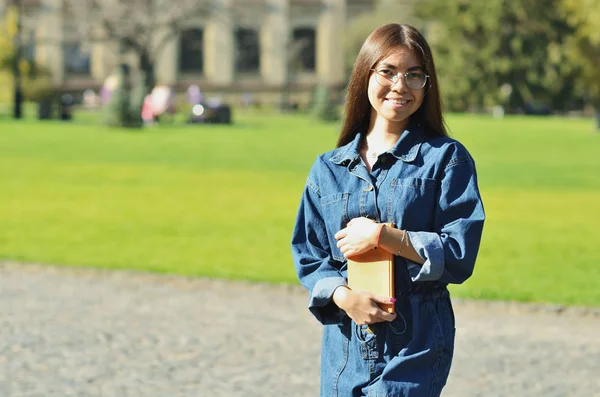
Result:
142,27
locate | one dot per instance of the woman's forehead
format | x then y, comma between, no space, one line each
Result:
400,58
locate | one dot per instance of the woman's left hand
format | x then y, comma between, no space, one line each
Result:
359,235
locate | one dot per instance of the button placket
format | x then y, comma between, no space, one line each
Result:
368,205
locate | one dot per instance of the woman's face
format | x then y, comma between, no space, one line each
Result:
394,103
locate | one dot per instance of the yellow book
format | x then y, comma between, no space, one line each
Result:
373,271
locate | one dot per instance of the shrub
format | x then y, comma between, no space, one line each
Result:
323,106
124,107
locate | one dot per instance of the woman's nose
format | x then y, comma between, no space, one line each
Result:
399,85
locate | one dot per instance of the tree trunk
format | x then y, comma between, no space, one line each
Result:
147,66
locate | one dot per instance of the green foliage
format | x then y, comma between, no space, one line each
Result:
483,46
124,106
386,11
323,106
36,86
584,46
195,199
36,80
138,94
8,28
117,109
6,87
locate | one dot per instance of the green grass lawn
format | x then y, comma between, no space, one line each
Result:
220,201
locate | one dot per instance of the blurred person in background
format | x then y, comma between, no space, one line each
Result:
195,96
394,163
163,101
148,111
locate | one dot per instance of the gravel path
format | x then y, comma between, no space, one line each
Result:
69,332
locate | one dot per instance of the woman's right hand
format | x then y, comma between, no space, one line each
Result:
362,307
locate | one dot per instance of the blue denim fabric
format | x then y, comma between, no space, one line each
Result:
410,356
427,186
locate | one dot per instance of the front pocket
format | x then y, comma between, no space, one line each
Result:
398,325
436,326
412,202
399,331
334,208
367,339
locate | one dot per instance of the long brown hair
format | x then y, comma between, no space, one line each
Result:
380,43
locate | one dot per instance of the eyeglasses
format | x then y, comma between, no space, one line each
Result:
415,80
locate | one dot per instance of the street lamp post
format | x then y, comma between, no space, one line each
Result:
18,89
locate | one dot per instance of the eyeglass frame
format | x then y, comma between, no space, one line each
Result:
395,79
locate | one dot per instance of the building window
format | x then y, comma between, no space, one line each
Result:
304,47
76,61
191,51
247,52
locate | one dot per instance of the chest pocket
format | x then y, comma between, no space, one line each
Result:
412,203
334,208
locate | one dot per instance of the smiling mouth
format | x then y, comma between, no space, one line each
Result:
399,102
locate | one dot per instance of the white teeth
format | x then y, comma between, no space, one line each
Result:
399,102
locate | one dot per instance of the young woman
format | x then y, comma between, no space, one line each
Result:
393,163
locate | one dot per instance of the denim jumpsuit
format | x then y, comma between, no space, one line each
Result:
427,186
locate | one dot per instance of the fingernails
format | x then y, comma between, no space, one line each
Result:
393,300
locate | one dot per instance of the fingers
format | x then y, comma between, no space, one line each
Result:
348,248
384,315
384,300
341,234
375,314
354,221
344,245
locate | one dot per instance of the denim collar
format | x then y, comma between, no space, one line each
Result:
406,149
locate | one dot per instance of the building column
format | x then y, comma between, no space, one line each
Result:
219,46
104,59
330,53
97,64
49,37
167,58
274,42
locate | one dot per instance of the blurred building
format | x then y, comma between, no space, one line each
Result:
245,55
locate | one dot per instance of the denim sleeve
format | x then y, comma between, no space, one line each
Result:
451,249
316,269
